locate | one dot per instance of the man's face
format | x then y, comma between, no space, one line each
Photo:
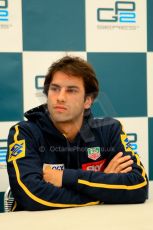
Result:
66,98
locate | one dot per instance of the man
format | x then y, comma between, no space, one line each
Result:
63,157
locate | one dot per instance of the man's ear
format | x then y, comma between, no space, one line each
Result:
88,102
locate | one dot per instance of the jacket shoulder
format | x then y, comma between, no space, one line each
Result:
106,122
25,127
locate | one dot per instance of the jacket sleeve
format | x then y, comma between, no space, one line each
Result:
29,189
112,188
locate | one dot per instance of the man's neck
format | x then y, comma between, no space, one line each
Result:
69,129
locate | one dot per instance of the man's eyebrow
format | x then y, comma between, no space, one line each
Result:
72,86
54,84
69,86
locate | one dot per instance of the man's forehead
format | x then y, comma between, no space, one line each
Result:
63,79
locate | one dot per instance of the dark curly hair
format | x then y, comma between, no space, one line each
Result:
74,66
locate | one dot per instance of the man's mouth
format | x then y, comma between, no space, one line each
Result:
60,108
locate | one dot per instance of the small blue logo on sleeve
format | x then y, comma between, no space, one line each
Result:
16,150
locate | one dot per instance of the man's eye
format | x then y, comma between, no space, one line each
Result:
72,90
54,88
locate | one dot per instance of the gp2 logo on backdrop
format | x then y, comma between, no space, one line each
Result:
4,10
122,11
132,137
39,81
3,151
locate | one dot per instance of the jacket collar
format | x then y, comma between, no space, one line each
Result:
40,116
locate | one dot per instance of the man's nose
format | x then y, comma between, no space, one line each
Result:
62,95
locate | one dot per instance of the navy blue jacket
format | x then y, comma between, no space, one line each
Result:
36,142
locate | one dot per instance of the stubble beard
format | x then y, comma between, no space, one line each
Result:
66,118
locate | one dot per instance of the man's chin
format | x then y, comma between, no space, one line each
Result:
59,119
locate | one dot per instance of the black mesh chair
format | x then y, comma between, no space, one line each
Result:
8,200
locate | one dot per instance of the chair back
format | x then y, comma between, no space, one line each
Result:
8,200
